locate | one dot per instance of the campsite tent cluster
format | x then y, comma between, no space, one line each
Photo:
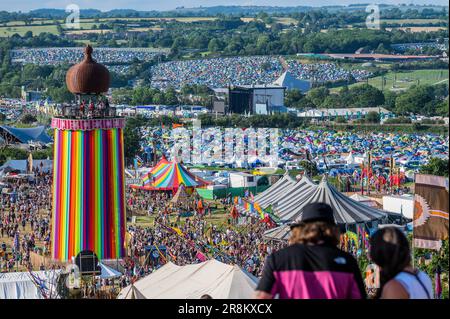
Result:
288,197
169,176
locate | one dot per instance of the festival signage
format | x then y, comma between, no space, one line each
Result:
92,124
431,208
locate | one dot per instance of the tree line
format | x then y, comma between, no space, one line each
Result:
428,100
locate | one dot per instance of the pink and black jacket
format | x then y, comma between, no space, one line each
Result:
312,272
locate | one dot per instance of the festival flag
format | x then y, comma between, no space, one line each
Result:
391,169
178,231
136,168
251,207
16,242
234,212
437,284
273,217
174,258
140,161
200,206
224,243
30,163
430,223
200,256
259,210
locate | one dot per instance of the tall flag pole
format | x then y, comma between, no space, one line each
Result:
391,167
362,177
369,168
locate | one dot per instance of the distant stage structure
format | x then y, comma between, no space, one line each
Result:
88,180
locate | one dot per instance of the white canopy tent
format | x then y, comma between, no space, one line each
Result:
219,280
20,285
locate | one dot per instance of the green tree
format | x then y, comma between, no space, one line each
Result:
60,94
132,137
28,118
13,153
366,96
292,97
373,117
436,166
318,95
416,99
309,167
170,96
214,45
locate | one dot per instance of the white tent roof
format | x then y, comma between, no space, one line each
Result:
280,233
346,210
131,292
364,199
273,193
108,272
290,82
19,285
288,199
219,280
286,193
350,159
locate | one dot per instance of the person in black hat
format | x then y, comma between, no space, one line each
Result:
312,266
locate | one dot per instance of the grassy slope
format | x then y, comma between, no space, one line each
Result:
405,79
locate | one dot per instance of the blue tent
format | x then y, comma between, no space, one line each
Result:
21,165
26,135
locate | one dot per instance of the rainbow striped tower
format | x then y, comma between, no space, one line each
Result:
88,182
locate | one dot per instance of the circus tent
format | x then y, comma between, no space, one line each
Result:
146,179
285,194
273,193
181,196
347,211
167,176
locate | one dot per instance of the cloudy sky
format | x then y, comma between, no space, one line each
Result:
26,5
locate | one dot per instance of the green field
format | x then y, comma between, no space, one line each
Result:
398,81
21,30
411,21
36,25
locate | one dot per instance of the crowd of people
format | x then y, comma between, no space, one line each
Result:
217,72
214,72
419,47
25,206
53,56
253,70
193,238
325,72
